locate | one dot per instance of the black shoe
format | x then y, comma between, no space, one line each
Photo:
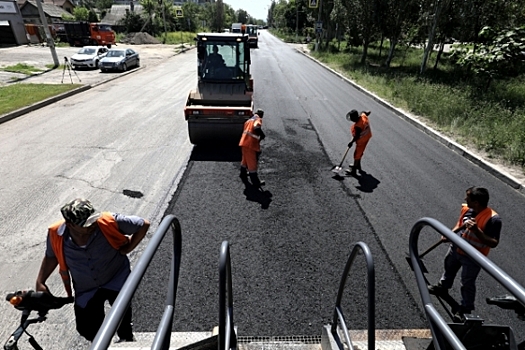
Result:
438,290
459,315
351,171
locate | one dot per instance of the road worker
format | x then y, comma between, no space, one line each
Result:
251,137
480,226
89,248
361,134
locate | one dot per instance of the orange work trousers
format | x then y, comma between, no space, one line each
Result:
249,159
360,146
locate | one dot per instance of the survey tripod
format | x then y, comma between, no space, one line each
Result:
67,65
28,301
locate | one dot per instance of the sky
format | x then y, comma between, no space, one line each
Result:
255,8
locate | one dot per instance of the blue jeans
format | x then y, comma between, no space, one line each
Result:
469,272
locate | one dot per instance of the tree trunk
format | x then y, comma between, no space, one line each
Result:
440,52
393,43
365,51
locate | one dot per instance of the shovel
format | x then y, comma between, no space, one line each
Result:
431,248
338,168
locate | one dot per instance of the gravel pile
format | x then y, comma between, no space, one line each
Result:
139,38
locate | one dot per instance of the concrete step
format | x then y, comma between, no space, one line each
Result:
399,339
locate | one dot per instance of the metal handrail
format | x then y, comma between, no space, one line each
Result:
227,336
114,317
439,328
338,312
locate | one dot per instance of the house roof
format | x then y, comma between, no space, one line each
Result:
49,9
117,12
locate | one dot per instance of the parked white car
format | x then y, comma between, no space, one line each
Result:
88,57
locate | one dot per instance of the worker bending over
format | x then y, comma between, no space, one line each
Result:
361,134
251,138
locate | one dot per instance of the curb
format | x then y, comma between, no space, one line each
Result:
456,147
24,110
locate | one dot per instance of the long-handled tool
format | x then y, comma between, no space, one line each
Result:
338,168
431,248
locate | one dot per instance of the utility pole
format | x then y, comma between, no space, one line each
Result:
320,29
49,38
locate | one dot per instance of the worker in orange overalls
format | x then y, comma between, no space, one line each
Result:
361,134
251,137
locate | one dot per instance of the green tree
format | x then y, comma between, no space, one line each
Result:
132,22
501,54
81,13
92,16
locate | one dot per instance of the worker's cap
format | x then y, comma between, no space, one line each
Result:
352,115
80,212
260,112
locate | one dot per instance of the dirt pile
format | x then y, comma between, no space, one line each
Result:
139,38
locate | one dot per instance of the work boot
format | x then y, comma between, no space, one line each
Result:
459,315
351,171
244,174
255,180
357,165
437,290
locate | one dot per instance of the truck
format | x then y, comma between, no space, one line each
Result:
217,108
236,28
84,33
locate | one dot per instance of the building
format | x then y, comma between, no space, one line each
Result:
12,29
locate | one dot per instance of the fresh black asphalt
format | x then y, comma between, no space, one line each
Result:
289,247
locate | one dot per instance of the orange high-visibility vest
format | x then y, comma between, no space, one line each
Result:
109,227
249,139
481,220
364,125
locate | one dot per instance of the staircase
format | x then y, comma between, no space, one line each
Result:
471,334
395,339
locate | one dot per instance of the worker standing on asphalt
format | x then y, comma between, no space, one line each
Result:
361,134
251,138
480,226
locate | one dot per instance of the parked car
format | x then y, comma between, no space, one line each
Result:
88,57
120,59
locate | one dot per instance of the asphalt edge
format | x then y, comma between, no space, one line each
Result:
456,147
24,110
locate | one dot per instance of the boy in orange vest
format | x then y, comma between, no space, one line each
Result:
90,250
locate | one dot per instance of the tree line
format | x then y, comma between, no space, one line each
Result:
159,16
493,29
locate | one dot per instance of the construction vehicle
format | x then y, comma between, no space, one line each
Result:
85,33
236,27
253,35
223,100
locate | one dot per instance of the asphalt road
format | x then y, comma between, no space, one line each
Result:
288,250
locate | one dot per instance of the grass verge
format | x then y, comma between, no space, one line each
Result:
16,96
452,101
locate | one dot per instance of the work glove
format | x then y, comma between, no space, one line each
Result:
350,144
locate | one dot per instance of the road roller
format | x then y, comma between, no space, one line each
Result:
223,99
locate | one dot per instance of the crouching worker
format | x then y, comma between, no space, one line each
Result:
251,138
90,250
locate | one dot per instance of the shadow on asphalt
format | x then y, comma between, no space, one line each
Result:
367,183
253,194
